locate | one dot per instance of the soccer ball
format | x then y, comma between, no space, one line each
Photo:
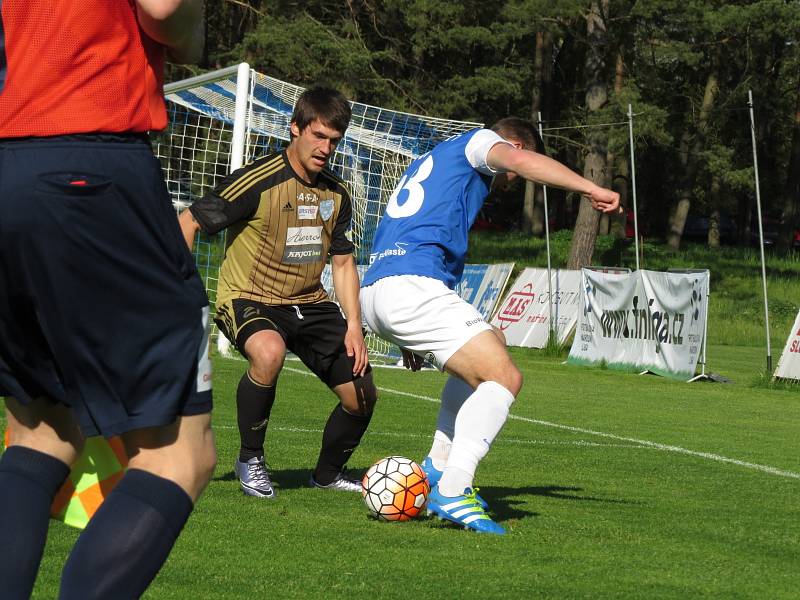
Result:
395,489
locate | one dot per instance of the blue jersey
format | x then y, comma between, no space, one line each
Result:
427,219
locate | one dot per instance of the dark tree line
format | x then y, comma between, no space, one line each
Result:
685,67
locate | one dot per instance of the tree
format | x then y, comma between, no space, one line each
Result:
585,234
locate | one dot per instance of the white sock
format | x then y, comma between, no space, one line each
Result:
440,450
454,395
476,426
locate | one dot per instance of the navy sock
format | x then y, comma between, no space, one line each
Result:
29,480
340,438
253,406
128,539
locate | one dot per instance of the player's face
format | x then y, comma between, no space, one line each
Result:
312,148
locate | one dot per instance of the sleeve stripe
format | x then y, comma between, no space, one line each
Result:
246,181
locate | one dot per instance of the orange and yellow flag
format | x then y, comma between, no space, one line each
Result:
94,475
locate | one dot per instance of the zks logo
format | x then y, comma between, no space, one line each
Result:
516,306
696,300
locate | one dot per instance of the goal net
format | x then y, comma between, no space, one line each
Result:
223,119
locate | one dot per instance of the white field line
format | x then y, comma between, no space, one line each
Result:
505,440
618,438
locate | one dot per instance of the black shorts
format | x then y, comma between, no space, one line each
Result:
313,332
101,306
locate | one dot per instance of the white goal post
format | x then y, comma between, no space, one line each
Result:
223,119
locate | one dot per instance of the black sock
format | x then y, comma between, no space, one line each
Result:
29,480
128,539
253,405
340,438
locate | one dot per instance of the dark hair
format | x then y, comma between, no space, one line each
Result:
520,130
326,104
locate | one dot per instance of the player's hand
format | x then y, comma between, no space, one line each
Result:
411,360
604,200
357,349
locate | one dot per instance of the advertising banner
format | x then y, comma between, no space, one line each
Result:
481,285
789,364
524,314
646,321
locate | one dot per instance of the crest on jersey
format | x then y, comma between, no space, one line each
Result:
326,209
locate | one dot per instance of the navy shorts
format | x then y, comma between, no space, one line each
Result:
313,332
101,306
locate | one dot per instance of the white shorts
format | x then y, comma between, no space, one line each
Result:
420,314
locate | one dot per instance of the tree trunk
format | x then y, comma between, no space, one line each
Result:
533,207
533,210
690,155
594,167
620,185
790,220
714,217
618,165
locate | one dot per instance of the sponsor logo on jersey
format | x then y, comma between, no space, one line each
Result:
306,212
301,236
326,209
398,250
302,255
287,207
250,312
303,245
307,197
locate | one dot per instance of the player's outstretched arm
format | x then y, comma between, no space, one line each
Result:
346,285
176,24
545,170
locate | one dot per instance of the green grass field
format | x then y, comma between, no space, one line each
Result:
611,486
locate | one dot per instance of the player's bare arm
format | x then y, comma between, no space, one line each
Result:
545,170
346,286
176,24
189,227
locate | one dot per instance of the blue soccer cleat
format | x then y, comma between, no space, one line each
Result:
434,475
464,510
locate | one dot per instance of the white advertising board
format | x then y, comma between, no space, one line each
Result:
524,314
789,364
642,321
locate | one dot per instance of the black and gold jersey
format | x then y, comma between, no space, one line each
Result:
281,233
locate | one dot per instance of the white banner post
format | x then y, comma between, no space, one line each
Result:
633,187
547,244
760,227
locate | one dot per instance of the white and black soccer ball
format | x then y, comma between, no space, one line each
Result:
395,489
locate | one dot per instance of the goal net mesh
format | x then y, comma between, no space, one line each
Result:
196,149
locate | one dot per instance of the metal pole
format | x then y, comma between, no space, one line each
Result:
633,187
760,227
237,153
553,326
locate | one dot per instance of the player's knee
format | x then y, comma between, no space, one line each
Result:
46,427
266,354
361,397
206,463
265,366
195,469
204,455
511,379
500,335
